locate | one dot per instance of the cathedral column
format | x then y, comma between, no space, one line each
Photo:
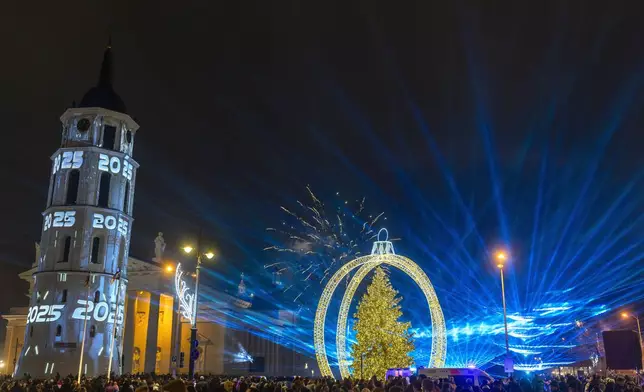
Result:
130,326
176,336
152,335
9,348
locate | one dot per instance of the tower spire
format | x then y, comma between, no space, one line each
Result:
105,78
103,95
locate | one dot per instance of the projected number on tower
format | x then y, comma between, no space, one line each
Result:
114,165
59,219
100,311
44,313
110,222
68,160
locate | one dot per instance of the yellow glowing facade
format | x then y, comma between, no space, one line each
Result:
156,358
382,253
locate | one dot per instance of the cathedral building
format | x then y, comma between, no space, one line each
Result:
93,309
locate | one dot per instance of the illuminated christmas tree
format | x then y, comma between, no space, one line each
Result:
382,341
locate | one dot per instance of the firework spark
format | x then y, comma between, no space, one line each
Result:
314,240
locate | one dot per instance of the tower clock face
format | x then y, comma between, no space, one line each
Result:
83,125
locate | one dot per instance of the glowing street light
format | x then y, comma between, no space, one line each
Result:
193,331
169,268
501,257
626,315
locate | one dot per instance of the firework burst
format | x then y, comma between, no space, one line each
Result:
314,240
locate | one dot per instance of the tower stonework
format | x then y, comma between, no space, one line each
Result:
80,282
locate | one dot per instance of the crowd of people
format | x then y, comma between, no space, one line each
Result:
161,383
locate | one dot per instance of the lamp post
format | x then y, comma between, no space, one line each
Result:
501,258
82,351
15,355
626,315
116,276
176,309
193,331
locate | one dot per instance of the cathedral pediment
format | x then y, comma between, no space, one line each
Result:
139,266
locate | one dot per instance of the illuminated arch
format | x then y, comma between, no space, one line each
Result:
382,253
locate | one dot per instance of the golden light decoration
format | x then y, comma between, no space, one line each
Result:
381,253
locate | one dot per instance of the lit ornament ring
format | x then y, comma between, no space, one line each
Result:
382,253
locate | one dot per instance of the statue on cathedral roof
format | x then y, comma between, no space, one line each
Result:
37,244
243,297
159,248
241,288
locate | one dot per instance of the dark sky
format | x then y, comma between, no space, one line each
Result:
242,104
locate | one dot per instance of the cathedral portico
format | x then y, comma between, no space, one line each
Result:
14,336
150,318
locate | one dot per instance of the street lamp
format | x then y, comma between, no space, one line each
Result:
501,257
193,331
626,315
116,276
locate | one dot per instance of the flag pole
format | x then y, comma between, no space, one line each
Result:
117,275
80,363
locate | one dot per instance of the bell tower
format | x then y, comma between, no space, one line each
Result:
76,313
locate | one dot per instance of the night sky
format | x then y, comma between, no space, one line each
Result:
428,109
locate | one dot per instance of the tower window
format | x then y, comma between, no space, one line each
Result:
96,247
51,190
126,198
59,330
92,331
104,190
63,299
72,187
66,249
109,137
83,125
128,137
122,255
97,296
